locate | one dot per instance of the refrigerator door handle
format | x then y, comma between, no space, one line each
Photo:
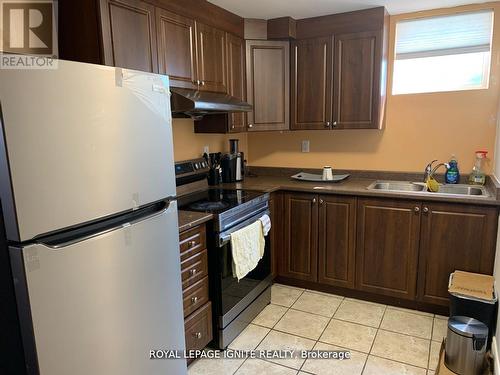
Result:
123,224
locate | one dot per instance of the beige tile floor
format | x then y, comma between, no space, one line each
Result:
383,340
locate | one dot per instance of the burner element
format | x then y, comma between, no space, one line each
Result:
220,205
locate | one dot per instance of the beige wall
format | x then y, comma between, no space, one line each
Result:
188,145
418,128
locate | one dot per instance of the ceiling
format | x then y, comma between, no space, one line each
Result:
297,9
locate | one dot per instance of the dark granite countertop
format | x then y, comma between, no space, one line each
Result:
190,219
352,186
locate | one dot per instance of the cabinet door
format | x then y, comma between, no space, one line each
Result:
268,84
311,83
336,240
387,247
454,237
356,93
236,79
176,48
129,34
211,53
300,260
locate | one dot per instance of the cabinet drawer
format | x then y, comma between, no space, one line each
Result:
198,328
194,269
192,241
195,296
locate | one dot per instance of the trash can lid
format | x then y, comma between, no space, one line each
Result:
468,327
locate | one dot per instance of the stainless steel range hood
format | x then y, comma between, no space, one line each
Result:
196,104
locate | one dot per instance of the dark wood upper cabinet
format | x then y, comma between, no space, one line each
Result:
268,84
337,235
129,34
356,94
300,251
454,237
311,83
387,247
235,51
211,58
176,48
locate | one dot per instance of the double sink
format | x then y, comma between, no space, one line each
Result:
421,189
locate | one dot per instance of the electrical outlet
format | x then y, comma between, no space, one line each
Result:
305,146
206,150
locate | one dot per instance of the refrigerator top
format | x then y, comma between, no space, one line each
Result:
80,143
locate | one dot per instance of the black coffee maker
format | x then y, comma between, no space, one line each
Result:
233,164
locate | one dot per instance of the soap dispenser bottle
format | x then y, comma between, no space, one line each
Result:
478,176
452,175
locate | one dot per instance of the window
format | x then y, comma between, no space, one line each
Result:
444,53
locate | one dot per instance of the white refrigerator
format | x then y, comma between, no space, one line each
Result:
90,214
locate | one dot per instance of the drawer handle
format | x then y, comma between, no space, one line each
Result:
194,300
191,244
193,271
416,209
197,335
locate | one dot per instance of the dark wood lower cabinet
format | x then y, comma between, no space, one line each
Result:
393,251
454,237
276,234
300,252
337,220
387,247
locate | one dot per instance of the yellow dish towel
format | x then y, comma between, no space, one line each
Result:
247,246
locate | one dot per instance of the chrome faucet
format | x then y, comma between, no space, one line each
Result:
430,171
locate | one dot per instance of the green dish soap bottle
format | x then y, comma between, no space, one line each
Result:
478,177
452,175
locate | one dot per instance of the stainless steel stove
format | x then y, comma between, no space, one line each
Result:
235,304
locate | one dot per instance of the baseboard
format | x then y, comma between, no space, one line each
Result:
494,353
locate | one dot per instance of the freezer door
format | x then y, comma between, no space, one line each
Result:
82,142
100,305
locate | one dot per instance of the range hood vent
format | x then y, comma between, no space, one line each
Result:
196,104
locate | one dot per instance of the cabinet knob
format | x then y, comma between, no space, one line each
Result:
232,126
197,335
203,83
193,271
321,201
198,82
327,124
314,200
425,210
334,124
250,126
191,244
416,209
194,300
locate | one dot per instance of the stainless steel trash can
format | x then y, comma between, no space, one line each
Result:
465,345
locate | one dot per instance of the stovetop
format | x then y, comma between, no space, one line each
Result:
217,201
230,207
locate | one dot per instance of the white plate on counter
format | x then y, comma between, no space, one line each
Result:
302,176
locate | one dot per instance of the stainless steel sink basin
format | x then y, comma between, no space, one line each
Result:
420,188
396,186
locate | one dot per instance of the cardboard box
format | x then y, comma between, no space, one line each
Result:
472,285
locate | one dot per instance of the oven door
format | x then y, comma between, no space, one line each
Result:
238,295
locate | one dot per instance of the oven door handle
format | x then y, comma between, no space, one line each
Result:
225,237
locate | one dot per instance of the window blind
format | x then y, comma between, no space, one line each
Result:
444,35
